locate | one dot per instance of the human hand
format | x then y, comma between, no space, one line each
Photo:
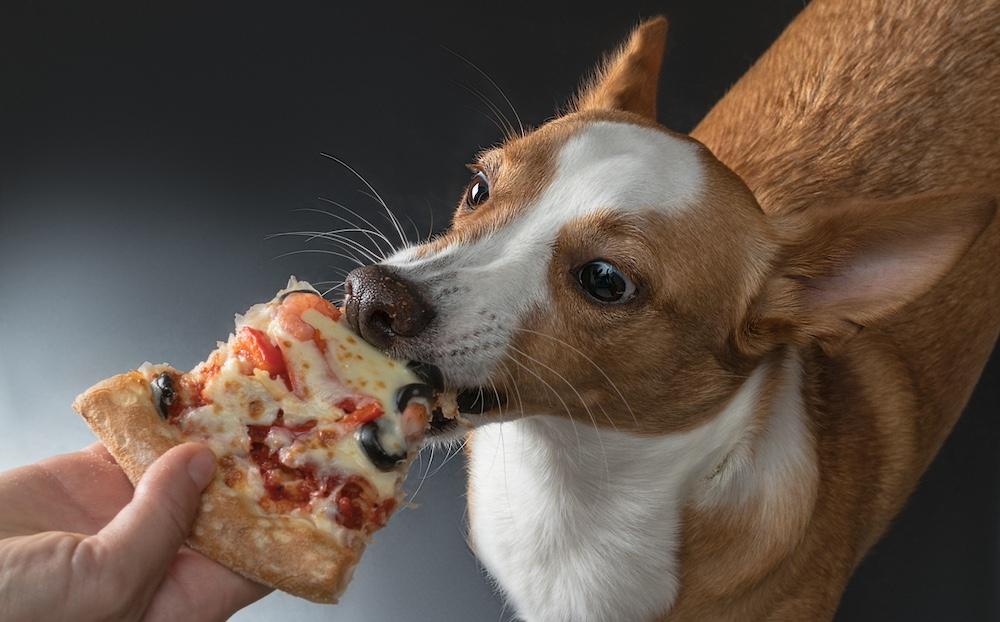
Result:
77,544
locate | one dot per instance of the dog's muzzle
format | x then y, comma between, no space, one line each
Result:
389,313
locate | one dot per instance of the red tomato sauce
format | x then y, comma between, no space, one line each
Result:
360,410
290,488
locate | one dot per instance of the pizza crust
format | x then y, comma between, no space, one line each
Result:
285,553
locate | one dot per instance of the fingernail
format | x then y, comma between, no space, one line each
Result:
201,467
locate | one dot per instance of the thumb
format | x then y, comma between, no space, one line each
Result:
143,539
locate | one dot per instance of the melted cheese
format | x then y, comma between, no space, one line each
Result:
359,365
234,392
348,368
307,365
366,370
344,456
223,434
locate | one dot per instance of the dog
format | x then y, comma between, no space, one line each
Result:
706,371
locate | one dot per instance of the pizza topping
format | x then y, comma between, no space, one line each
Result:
368,437
292,310
292,480
443,405
358,506
275,388
413,423
163,393
277,437
430,374
360,412
307,419
359,366
255,349
414,391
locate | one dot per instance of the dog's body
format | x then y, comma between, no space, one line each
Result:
696,426
879,99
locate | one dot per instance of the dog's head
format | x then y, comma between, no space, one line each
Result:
606,268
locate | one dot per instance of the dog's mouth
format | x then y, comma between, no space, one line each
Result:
452,405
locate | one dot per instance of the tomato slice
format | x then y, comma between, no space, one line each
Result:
256,349
363,413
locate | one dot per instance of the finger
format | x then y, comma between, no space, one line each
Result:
100,451
196,583
143,539
78,492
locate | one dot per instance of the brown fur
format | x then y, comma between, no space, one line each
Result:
869,129
872,100
623,82
517,174
674,369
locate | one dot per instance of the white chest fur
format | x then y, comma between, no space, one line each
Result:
580,524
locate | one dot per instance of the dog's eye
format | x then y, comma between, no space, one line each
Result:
478,192
604,282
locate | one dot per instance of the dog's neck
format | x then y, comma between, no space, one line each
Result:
585,523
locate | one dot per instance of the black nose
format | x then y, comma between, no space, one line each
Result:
381,307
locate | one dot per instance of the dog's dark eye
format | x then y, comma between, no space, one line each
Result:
605,283
478,192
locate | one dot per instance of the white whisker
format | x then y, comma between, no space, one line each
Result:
326,292
333,236
508,129
594,364
495,85
377,197
597,428
423,478
430,229
513,382
503,131
455,450
374,228
576,432
506,481
324,252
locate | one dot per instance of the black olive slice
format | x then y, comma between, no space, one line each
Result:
163,393
368,438
413,391
428,373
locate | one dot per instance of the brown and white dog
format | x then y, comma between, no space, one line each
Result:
721,362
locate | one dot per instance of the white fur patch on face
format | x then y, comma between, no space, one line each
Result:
482,290
582,524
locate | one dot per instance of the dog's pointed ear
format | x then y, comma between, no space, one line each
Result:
845,266
627,79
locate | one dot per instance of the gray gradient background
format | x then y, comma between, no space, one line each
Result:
146,153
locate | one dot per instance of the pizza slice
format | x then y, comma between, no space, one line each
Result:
313,430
